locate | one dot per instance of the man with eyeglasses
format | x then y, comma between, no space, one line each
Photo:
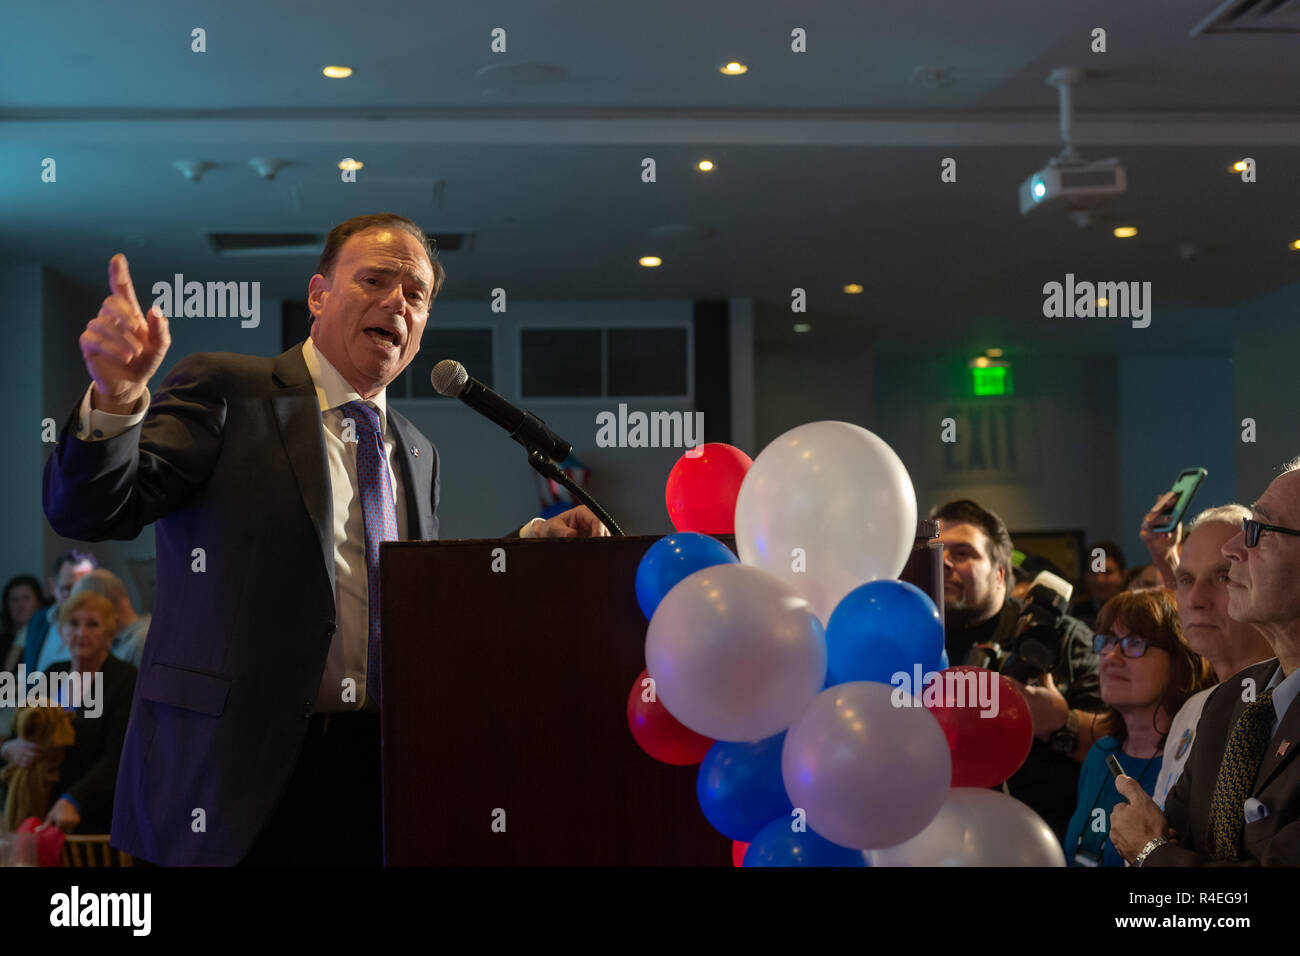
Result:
1237,802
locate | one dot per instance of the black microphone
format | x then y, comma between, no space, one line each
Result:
450,379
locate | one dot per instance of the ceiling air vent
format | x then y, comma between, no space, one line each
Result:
303,243
265,243
1252,16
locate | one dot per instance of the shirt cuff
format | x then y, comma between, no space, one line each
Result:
75,805
96,425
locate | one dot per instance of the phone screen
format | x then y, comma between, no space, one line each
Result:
1188,481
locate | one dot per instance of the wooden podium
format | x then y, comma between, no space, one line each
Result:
505,701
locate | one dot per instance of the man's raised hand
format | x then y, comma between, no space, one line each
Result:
123,347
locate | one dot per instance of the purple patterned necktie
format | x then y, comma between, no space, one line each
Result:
380,517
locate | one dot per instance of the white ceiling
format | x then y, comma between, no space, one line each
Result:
828,161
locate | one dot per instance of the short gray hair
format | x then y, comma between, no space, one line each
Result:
1230,514
104,583
1292,465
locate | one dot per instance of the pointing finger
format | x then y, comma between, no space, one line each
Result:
119,280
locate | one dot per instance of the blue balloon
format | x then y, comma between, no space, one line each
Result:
879,629
740,787
777,845
673,558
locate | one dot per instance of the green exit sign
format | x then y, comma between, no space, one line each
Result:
991,380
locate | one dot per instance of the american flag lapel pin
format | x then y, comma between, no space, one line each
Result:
415,451
1283,748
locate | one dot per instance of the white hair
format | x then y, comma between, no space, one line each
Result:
104,583
1230,514
1292,465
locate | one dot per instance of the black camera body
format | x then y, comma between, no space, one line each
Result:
1036,646
1039,632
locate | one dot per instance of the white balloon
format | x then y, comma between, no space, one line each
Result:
868,774
735,654
978,828
839,493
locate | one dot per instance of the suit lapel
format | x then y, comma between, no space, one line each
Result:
297,412
1288,733
416,461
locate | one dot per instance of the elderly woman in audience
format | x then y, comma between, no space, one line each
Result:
1147,672
84,792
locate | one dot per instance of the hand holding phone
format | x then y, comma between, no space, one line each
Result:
1162,545
1189,479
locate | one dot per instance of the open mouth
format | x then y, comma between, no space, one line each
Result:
384,337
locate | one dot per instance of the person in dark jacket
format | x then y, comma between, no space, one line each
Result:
1064,704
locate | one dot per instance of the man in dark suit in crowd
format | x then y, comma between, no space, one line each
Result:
254,732
1237,802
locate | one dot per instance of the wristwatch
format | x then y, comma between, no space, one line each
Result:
1148,850
1066,739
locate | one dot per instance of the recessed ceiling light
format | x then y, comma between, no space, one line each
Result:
993,353
1295,246
733,68
705,165
337,72
650,262
1125,232
1103,302
802,327
350,163
853,289
1240,166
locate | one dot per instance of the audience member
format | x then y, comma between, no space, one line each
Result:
1201,576
1142,576
1099,586
978,610
1237,801
42,650
22,598
1147,673
128,642
88,774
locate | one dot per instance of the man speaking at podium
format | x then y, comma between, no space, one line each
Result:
254,733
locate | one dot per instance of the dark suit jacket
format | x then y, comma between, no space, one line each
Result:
90,766
1271,841
230,464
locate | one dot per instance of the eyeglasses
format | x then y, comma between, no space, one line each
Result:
1252,528
1131,646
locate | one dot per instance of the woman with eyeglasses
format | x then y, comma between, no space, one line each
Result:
1147,672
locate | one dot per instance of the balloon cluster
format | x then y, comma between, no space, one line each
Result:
780,673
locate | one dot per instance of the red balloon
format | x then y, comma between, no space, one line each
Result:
702,488
659,733
738,852
985,750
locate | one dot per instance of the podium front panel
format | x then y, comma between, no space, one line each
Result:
506,671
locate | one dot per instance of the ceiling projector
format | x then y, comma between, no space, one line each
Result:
1069,182
1073,185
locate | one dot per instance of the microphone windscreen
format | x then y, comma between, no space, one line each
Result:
449,378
